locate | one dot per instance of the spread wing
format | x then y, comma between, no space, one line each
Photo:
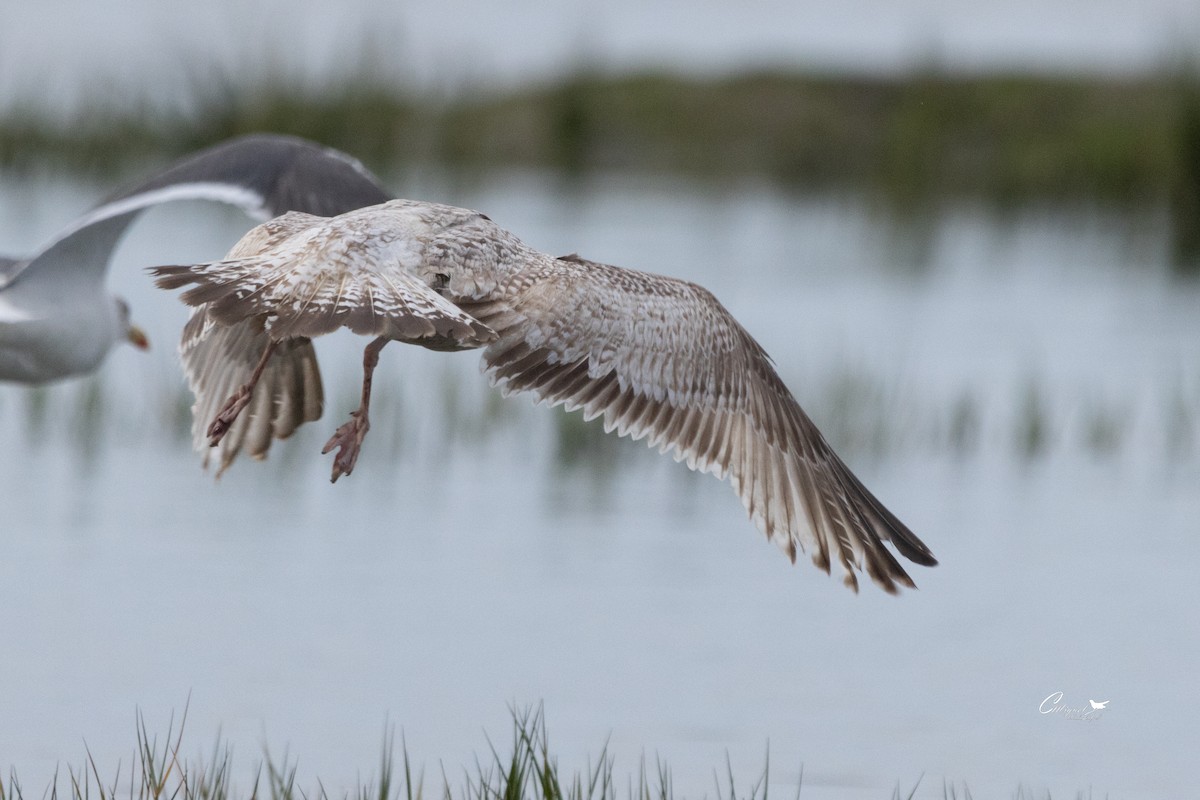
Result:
265,175
268,175
662,359
7,265
217,359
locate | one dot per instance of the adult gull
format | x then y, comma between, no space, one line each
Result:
658,358
56,318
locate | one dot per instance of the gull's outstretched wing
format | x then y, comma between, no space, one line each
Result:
657,357
661,358
266,175
217,359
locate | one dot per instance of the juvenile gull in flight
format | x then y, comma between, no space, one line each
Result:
56,318
657,358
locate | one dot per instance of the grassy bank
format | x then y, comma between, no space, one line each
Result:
912,140
1008,137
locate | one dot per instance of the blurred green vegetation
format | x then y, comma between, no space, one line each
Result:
911,140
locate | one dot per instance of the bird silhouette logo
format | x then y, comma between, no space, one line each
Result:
1097,706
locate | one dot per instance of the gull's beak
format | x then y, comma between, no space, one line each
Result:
137,337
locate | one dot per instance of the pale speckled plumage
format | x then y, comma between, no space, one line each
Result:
657,358
219,357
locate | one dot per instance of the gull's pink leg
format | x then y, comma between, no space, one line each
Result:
349,437
239,400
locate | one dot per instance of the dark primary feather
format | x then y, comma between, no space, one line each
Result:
265,174
290,174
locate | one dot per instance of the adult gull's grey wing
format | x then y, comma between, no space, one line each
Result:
264,174
662,359
275,173
57,320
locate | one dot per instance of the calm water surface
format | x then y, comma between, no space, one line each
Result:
1023,391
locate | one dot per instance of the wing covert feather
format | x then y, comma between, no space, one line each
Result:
662,359
309,276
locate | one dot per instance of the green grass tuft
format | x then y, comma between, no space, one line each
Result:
526,770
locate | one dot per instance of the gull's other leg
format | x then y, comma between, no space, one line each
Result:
238,400
349,437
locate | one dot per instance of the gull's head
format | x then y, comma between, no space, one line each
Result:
131,333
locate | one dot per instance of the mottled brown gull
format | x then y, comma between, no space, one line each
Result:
656,357
56,318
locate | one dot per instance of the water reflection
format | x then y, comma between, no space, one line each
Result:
867,416
1029,402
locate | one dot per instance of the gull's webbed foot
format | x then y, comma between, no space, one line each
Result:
348,439
228,413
